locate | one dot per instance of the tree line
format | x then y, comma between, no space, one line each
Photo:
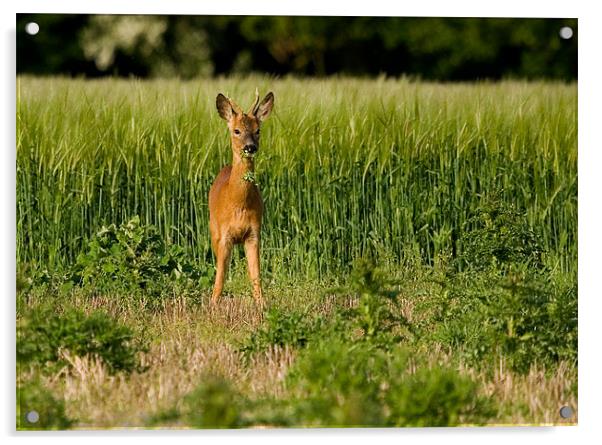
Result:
192,46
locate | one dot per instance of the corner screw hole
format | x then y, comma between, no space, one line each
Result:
32,28
32,416
566,412
566,32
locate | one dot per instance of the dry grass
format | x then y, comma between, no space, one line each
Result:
191,342
534,398
177,362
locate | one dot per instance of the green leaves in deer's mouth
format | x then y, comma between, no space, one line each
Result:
247,154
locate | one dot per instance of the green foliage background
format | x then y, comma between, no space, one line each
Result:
191,46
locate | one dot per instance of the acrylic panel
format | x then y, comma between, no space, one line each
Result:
283,222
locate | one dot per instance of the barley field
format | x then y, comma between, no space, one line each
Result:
423,233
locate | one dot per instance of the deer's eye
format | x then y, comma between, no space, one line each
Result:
236,131
257,132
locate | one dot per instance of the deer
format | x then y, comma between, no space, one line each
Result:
235,203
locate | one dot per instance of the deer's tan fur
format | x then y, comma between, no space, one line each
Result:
235,204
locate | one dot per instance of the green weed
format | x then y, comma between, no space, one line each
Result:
523,319
281,328
31,396
133,257
340,384
43,333
498,236
213,404
376,315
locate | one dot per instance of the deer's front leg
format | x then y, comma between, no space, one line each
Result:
223,253
252,254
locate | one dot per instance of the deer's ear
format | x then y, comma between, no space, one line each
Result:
265,107
224,107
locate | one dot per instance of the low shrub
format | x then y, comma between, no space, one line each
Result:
32,396
377,315
43,333
498,236
281,328
29,277
519,316
133,257
437,396
337,384
213,404
342,384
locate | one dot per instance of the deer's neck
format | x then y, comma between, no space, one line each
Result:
242,178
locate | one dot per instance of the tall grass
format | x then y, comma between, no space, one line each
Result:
346,166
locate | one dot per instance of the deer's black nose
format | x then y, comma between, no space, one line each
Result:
251,148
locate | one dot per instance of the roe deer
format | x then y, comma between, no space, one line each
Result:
235,204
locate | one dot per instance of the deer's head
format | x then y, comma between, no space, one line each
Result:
244,127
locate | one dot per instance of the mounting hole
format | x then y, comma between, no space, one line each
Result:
566,412
566,32
32,28
32,416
